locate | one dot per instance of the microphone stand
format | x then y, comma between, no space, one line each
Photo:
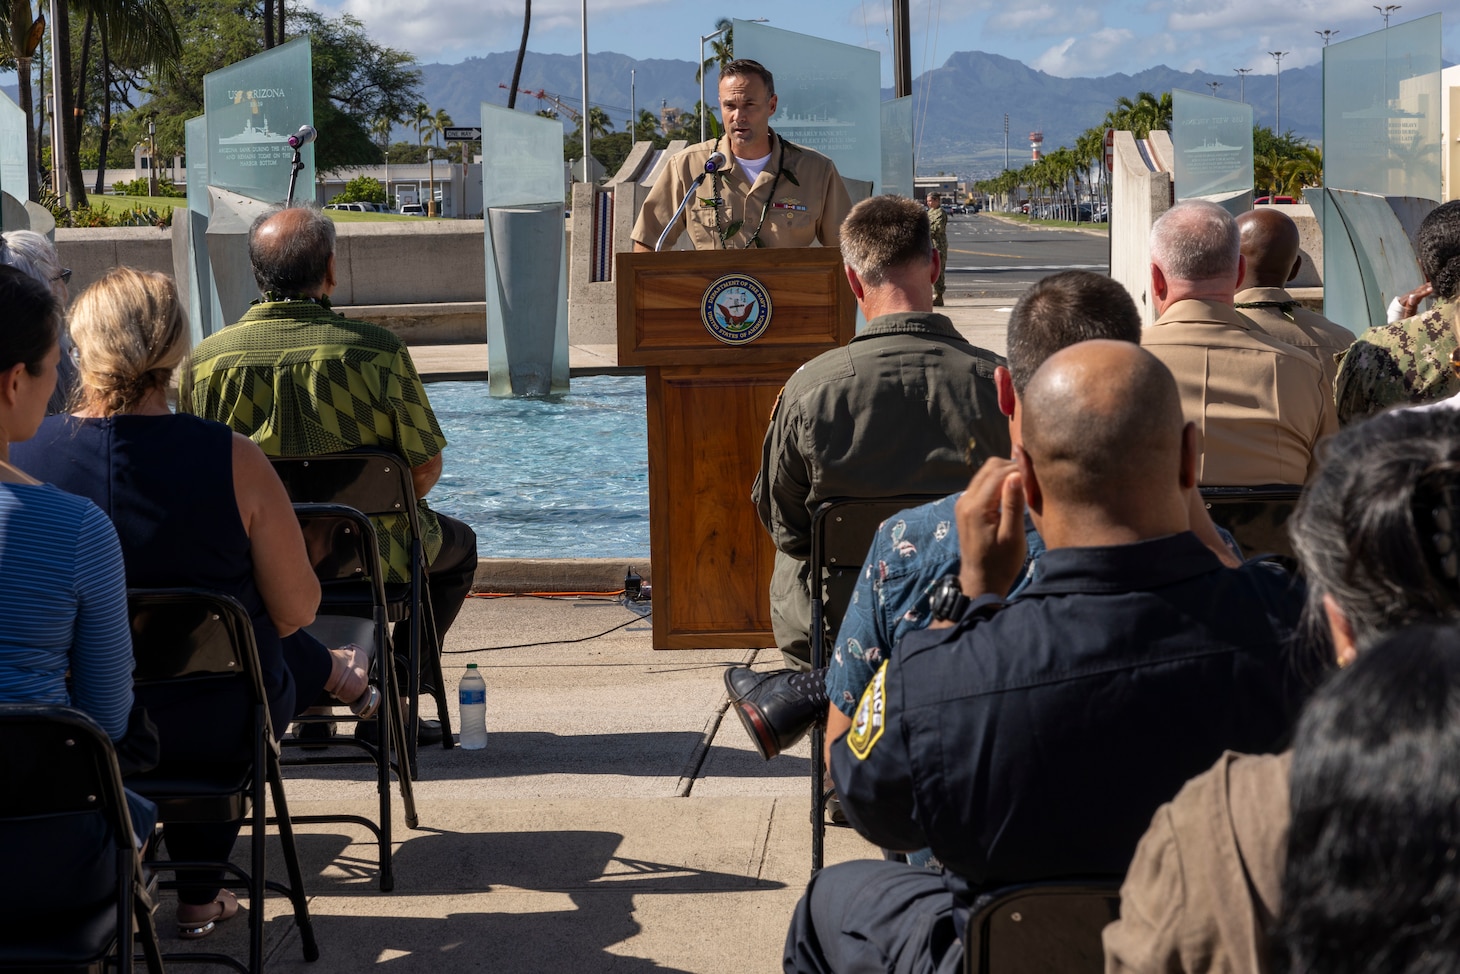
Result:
294,167
682,204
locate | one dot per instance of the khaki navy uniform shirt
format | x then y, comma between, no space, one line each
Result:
806,204
908,406
1404,363
1279,314
299,379
1259,403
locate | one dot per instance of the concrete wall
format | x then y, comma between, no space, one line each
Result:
1140,191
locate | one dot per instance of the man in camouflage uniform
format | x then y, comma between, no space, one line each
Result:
938,224
299,379
1410,361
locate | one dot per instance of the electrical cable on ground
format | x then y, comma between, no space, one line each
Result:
639,616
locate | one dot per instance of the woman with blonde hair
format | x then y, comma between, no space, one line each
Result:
197,505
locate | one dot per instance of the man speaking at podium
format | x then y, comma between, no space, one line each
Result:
756,189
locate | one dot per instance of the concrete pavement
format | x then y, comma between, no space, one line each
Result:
618,819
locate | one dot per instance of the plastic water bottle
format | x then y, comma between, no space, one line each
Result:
472,699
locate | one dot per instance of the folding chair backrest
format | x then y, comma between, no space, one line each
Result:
373,482
181,634
841,533
1255,516
62,811
342,549
1041,927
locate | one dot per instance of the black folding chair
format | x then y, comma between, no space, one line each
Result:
842,530
199,641
377,483
1256,517
76,884
342,548
1036,928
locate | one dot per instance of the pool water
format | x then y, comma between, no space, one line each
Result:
561,477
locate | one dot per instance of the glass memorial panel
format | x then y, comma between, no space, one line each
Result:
204,311
897,147
1212,141
14,178
522,158
252,108
829,95
1381,111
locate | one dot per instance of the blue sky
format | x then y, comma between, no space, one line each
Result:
1069,38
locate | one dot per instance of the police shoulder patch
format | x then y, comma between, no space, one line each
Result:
871,717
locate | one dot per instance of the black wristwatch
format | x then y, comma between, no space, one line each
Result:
949,602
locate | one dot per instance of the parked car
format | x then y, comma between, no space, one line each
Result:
1274,199
413,209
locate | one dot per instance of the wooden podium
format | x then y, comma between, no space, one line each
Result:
709,404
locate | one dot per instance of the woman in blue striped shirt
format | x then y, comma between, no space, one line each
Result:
64,635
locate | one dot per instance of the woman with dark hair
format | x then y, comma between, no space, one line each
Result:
1377,533
59,557
1372,881
195,505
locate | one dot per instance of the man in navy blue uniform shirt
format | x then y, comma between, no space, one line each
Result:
1034,739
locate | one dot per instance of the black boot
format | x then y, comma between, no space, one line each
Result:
777,709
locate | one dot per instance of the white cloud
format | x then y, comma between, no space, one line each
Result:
1043,19
1087,55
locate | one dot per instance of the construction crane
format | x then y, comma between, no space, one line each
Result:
574,115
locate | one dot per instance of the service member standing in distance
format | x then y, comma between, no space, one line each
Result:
938,224
771,193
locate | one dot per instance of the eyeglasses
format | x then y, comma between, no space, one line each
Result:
64,277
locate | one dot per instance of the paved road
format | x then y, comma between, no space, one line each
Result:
989,257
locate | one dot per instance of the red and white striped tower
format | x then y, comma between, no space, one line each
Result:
1036,140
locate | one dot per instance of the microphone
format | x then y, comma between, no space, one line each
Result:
303,137
717,163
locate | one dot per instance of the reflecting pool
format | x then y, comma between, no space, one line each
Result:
562,477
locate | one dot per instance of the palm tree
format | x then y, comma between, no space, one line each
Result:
722,49
380,127
422,121
521,53
645,128
1140,116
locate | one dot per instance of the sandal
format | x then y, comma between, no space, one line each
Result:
196,920
349,681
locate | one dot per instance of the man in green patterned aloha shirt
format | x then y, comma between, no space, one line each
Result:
299,379
1410,361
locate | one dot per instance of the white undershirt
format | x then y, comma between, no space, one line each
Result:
754,167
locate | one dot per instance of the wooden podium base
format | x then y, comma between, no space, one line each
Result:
709,404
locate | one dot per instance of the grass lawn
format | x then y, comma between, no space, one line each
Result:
1025,218
122,204
164,204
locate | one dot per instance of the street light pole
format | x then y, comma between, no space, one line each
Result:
152,154
1326,35
1242,91
587,128
1277,56
431,183
1006,142
1385,11
1214,85
703,38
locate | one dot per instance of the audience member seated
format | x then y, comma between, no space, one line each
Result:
1032,739
906,407
31,253
1259,403
1411,361
64,637
919,546
1204,887
1371,872
1270,252
300,379
194,505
